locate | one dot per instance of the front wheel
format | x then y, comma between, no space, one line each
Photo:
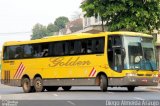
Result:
131,88
38,84
66,88
103,83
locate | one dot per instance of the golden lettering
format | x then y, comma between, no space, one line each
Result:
60,61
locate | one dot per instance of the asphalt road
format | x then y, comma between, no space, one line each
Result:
88,94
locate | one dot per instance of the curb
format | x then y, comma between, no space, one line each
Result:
155,88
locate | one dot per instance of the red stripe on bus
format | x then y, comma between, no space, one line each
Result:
91,71
21,72
94,73
17,70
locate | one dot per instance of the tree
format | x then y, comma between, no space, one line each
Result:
131,15
60,22
39,31
51,28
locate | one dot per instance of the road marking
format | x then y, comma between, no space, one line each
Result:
138,98
110,92
55,94
70,102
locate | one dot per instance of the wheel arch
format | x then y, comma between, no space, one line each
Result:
37,75
98,77
24,76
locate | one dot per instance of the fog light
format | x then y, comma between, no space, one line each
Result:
155,81
131,75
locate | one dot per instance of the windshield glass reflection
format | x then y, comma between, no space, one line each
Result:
140,53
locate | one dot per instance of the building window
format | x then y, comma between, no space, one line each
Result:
96,19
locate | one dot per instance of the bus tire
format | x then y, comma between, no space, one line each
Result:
26,85
131,88
51,88
66,88
103,83
38,84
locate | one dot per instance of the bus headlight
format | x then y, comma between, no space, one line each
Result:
131,75
155,75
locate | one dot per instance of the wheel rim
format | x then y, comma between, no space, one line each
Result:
38,84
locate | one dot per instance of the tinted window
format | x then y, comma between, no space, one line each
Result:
6,53
31,51
44,49
13,52
60,48
98,45
28,51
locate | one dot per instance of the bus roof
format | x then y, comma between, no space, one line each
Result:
75,36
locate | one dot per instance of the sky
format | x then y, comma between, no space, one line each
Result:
17,17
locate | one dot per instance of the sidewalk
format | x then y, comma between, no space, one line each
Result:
154,87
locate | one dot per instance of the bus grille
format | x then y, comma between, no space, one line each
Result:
145,75
140,74
149,75
7,77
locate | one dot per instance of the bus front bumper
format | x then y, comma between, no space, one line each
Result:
133,81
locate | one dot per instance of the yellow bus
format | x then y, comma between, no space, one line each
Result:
106,59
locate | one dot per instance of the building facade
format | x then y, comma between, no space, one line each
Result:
158,48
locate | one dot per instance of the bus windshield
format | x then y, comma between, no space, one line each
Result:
140,53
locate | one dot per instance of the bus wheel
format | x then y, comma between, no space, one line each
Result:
103,83
131,88
38,84
26,84
66,88
51,88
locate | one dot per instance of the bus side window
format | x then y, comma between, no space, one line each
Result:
98,45
58,49
89,46
18,52
83,46
5,53
11,52
36,50
28,51
45,50
77,47
65,48
71,47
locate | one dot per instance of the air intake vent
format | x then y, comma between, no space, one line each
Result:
140,74
149,75
7,77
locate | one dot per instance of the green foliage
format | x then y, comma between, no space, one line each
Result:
39,31
51,28
60,22
131,15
